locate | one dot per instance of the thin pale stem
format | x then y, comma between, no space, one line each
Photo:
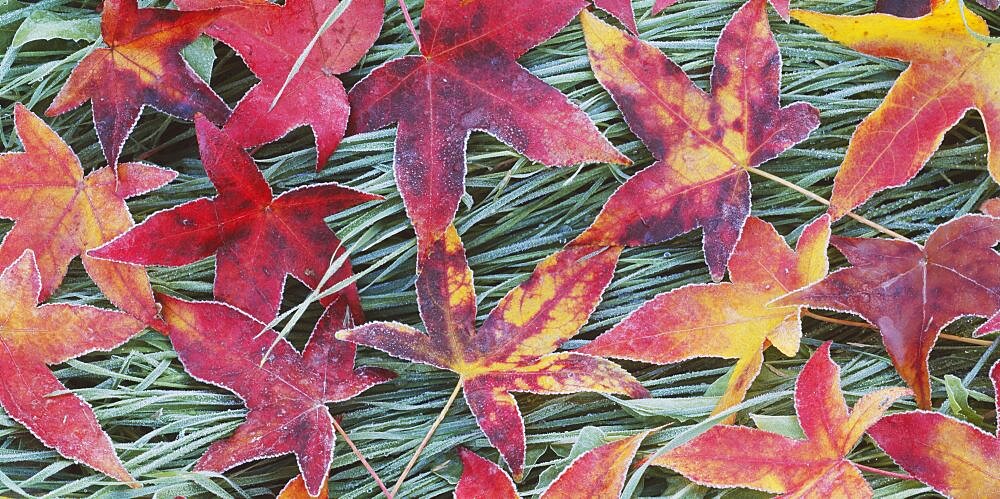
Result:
891,474
409,24
944,336
361,457
427,438
822,200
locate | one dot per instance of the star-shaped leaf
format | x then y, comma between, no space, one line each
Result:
35,336
731,320
141,65
956,458
736,456
894,142
514,349
703,143
911,292
270,37
257,238
597,473
60,214
286,397
467,78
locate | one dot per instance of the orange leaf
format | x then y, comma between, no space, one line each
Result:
141,65
514,349
60,214
729,320
296,489
950,73
736,456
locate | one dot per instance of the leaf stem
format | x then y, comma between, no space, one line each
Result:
427,438
843,322
409,24
820,199
361,457
890,474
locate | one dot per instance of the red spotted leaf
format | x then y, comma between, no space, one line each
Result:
956,458
598,473
257,239
781,6
270,37
466,79
140,66
286,397
60,214
514,349
703,143
732,320
34,337
894,142
737,456
911,292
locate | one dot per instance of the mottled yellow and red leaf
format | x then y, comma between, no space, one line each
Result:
597,473
35,336
59,214
270,37
911,292
467,79
731,320
286,397
736,456
956,458
703,143
141,65
257,239
894,142
514,349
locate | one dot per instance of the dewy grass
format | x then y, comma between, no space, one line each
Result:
515,214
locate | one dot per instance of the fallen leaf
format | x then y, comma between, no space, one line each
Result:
729,320
956,458
141,65
296,489
597,473
221,345
621,10
467,79
513,349
35,336
814,467
703,143
781,6
59,214
894,142
257,239
270,37
903,8
911,292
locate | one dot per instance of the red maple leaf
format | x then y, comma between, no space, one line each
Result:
286,397
269,38
34,336
141,65
257,238
467,78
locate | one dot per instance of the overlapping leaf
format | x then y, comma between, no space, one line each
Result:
597,473
140,66
59,214
956,458
467,78
951,71
33,336
269,38
286,397
911,292
736,456
703,143
296,489
728,320
513,350
257,238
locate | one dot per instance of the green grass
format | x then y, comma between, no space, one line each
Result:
515,214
